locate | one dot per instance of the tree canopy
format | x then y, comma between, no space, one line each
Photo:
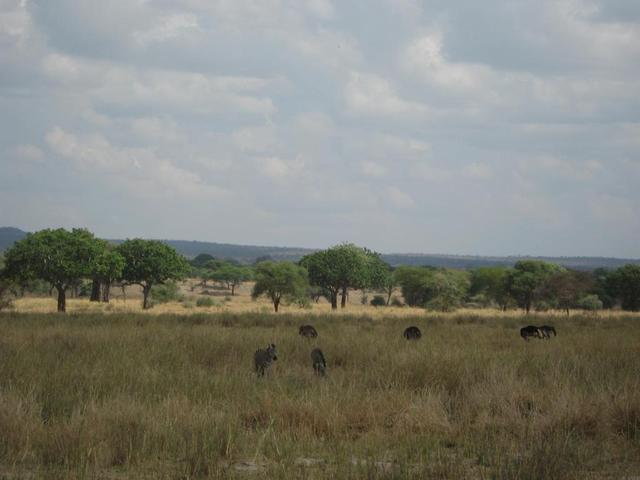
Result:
60,257
625,285
526,278
149,263
280,280
343,267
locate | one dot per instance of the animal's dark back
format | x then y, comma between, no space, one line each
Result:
412,333
308,331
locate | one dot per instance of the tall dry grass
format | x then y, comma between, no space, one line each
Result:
168,396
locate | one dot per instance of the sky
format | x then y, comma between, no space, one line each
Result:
466,127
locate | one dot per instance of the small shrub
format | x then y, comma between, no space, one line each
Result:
166,293
205,302
396,302
6,295
542,307
590,302
378,301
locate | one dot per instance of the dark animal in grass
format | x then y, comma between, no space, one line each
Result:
530,331
547,330
308,331
412,333
319,363
263,359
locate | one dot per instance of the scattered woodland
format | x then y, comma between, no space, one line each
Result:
131,361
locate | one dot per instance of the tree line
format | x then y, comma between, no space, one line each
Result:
63,258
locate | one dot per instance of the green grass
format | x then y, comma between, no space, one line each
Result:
167,396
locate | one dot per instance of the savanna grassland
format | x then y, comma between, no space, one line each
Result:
127,395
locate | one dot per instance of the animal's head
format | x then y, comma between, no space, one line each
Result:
271,350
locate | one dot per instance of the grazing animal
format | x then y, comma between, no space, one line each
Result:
263,359
530,331
412,333
547,330
308,331
319,363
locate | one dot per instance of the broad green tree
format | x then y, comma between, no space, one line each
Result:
231,276
337,269
414,284
625,284
564,289
60,257
491,283
106,269
149,263
279,281
527,278
447,288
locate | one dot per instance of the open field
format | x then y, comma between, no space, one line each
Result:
168,396
241,302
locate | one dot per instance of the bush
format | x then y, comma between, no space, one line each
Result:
6,295
378,301
166,293
205,302
542,306
396,302
590,302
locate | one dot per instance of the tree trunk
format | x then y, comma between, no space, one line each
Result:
233,289
124,293
146,289
276,304
343,300
95,291
106,292
389,293
334,300
62,299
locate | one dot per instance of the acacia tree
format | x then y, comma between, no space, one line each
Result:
447,288
59,257
625,284
564,289
280,280
106,269
491,283
527,278
338,269
149,263
231,276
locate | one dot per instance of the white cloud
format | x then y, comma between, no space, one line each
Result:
141,170
373,95
478,170
157,129
399,198
256,139
279,168
372,169
168,27
29,152
126,86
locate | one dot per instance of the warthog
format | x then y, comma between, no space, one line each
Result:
308,331
263,359
547,330
319,363
530,331
412,333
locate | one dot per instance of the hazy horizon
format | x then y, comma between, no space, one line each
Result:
490,129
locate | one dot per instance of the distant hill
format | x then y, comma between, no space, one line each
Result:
249,253
10,235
